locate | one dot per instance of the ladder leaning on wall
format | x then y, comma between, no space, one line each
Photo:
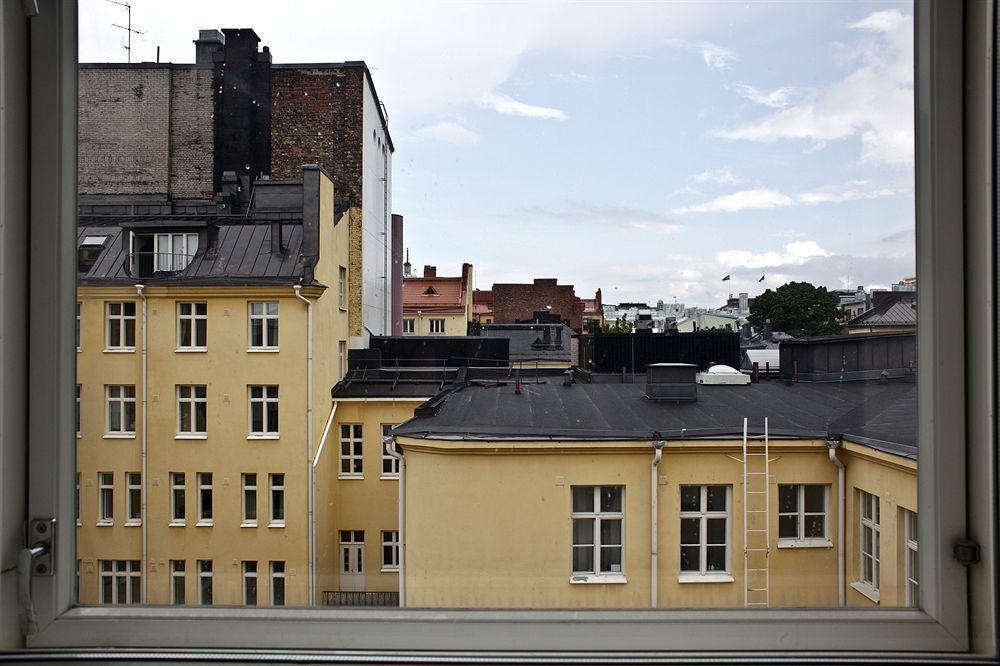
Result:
756,519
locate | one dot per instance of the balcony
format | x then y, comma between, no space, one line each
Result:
153,264
357,599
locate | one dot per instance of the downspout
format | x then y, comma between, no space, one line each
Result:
309,424
832,445
145,573
654,564
401,514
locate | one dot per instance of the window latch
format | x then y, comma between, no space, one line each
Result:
966,551
34,560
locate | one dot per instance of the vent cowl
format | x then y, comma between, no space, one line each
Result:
673,382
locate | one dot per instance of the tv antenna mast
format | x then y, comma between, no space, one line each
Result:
127,28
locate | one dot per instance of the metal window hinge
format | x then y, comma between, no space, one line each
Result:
966,551
34,560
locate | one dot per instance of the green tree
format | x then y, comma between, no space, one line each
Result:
619,326
797,308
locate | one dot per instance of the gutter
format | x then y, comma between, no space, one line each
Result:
309,424
832,446
654,539
392,450
145,539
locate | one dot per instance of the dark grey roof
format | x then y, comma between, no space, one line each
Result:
882,412
901,312
523,336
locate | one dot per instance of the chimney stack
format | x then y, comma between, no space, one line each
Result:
430,271
209,43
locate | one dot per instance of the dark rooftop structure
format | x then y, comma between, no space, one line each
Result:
841,358
533,342
897,309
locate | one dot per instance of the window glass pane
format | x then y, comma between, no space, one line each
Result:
690,498
690,530
815,527
690,558
715,498
611,532
611,499
788,527
583,500
716,530
583,531
815,499
715,558
583,559
788,499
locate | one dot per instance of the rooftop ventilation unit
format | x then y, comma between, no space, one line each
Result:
723,375
674,382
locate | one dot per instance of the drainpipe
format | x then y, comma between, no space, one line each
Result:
309,424
654,563
832,445
401,513
145,573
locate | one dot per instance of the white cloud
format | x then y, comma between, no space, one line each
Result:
722,176
585,212
776,99
449,132
716,57
825,196
511,107
745,199
873,103
572,76
794,254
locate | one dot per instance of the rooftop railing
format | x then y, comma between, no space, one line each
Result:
149,264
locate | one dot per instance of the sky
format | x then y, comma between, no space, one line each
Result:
648,149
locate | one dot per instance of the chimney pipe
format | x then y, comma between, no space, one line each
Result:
430,271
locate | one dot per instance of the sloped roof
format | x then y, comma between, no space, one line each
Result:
900,312
437,294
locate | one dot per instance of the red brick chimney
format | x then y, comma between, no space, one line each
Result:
430,271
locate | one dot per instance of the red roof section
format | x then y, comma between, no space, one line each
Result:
437,294
482,301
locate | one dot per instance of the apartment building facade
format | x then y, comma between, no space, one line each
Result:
438,305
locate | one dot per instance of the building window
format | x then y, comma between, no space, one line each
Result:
263,411
78,306
390,465
870,541
802,512
250,500
204,498
435,325
192,408
390,550
342,358
192,326
408,325
352,551
121,409
278,583
133,498
598,536
177,582
76,414
121,582
351,447
911,563
120,326
174,251
264,325
249,583
342,287
704,530
105,498
78,520
177,498
205,582
277,482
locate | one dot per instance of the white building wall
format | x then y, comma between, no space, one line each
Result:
376,226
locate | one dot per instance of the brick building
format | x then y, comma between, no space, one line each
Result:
519,302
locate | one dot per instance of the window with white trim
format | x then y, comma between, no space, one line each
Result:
598,521
105,498
342,287
435,326
277,483
263,411
121,582
802,512
390,465
249,583
869,541
120,409
351,450
352,551
177,498
704,537
192,326
192,410
78,519
174,251
120,328
79,305
249,500
341,358
177,578
390,550
133,498
277,583
204,498
263,324
77,405
409,325
911,561
205,582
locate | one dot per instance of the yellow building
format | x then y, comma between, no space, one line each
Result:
207,339
555,495
435,305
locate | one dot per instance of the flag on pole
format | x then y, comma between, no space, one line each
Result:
761,279
725,278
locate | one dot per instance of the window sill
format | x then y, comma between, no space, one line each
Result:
597,579
118,435
351,476
105,523
253,524
705,578
342,308
133,523
191,436
866,590
79,435
389,477
177,523
263,350
191,350
805,543
277,525
79,523
121,350
394,570
264,437
204,523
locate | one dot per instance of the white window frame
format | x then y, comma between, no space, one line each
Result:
341,358
436,326
178,575
167,259
125,573
390,539
124,322
267,397
354,458
189,398
409,325
250,576
249,496
105,498
956,351
190,321
125,403
206,510
278,579
351,540
869,512
388,461
276,488
133,499
261,318
77,415
79,307
178,488
79,518
206,573
911,575
800,540
597,515
342,287
703,515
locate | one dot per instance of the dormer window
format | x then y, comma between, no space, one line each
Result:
430,291
90,249
173,252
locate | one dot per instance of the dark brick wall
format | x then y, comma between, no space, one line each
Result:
513,302
317,118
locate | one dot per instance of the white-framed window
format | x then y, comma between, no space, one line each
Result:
120,400
263,324
192,326
390,465
177,591
79,521
79,306
435,326
133,498
351,450
249,583
204,498
341,358
704,539
390,550
802,510
105,498
911,561
409,325
342,287
263,411
249,500
76,414
205,586
869,542
352,551
177,498
120,329
121,582
598,517
277,483
174,251
192,410
277,583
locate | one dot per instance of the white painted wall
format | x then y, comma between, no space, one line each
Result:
376,204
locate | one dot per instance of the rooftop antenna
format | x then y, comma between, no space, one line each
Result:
127,28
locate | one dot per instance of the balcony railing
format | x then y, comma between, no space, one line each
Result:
337,598
148,264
